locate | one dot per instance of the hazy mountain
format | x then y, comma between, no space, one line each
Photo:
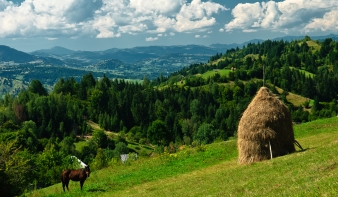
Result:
8,54
225,47
55,51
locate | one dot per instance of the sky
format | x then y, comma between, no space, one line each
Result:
95,25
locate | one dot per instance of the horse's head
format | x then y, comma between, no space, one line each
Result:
87,169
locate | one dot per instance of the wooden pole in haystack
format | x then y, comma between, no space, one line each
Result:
270,150
263,76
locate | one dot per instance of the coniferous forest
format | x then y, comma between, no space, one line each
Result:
39,129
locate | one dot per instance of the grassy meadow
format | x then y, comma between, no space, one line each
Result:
211,73
306,73
212,170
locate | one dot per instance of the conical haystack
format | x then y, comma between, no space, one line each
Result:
266,121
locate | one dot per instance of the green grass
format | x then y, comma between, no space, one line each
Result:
314,45
213,170
79,145
307,74
295,99
211,73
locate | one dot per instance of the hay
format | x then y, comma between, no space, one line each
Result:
265,120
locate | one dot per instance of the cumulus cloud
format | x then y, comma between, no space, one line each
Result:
328,22
288,15
104,18
158,6
46,18
4,4
150,39
197,36
197,15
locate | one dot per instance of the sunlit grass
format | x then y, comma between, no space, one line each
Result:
211,73
312,44
295,99
307,74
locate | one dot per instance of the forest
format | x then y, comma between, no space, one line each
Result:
39,129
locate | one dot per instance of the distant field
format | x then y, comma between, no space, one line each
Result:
314,45
211,73
295,99
307,74
213,170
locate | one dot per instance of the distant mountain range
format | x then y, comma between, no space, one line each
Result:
49,65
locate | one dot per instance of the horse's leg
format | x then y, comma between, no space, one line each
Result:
67,182
81,183
63,185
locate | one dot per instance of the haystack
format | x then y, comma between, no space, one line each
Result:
265,123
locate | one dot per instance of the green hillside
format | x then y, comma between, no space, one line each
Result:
212,170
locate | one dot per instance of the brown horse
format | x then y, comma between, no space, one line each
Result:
74,175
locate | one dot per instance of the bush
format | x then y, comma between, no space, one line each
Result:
121,148
187,140
100,160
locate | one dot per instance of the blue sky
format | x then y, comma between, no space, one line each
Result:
29,25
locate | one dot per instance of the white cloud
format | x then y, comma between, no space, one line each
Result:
51,38
172,33
150,39
249,30
328,22
46,18
288,15
104,18
159,35
133,28
221,30
197,36
164,23
4,4
205,36
197,15
158,6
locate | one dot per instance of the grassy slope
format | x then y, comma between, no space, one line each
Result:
215,172
211,73
307,74
315,47
295,99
